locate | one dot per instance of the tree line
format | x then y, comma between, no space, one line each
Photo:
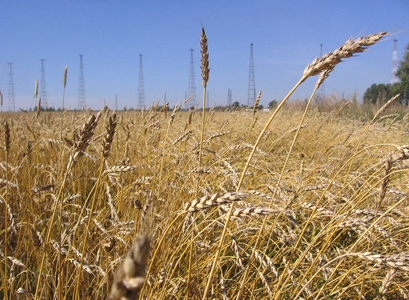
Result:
383,92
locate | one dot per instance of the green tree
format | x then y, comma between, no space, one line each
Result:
383,92
377,92
235,105
272,104
403,73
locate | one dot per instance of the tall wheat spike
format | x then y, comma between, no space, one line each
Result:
326,62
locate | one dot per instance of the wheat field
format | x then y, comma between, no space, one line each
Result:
297,203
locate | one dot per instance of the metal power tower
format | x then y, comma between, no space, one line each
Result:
141,88
43,90
394,78
252,83
81,88
11,88
229,97
192,85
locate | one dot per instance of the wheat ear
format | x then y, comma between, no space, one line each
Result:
131,274
109,135
325,63
205,76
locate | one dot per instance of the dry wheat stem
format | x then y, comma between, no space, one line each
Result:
205,76
356,243
7,143
38,109
321,79
216,257
325,65
384,107
79,146
85,237
36,90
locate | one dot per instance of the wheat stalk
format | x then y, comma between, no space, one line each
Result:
7,143
256,103
205,76
109,135
348,49
214,200
322,66
81,144
398,261
205,58
386,282
36,90
131,274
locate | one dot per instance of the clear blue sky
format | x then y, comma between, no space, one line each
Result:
111,34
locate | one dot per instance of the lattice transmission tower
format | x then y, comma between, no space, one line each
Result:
43,90
11,88
229,97
81,88
394,78
141,88
252,82
192,80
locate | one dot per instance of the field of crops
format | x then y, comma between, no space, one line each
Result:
322,210
301,202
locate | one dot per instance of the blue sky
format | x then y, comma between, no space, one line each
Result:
111,34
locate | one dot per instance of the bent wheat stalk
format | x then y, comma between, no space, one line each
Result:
79,147
326,62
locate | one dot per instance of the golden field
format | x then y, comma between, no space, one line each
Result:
323,214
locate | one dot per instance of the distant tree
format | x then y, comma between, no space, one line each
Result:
377,92
383,92
235,105
44,109
260,107
272,104
403,73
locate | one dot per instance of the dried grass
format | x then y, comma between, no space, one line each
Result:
321,210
